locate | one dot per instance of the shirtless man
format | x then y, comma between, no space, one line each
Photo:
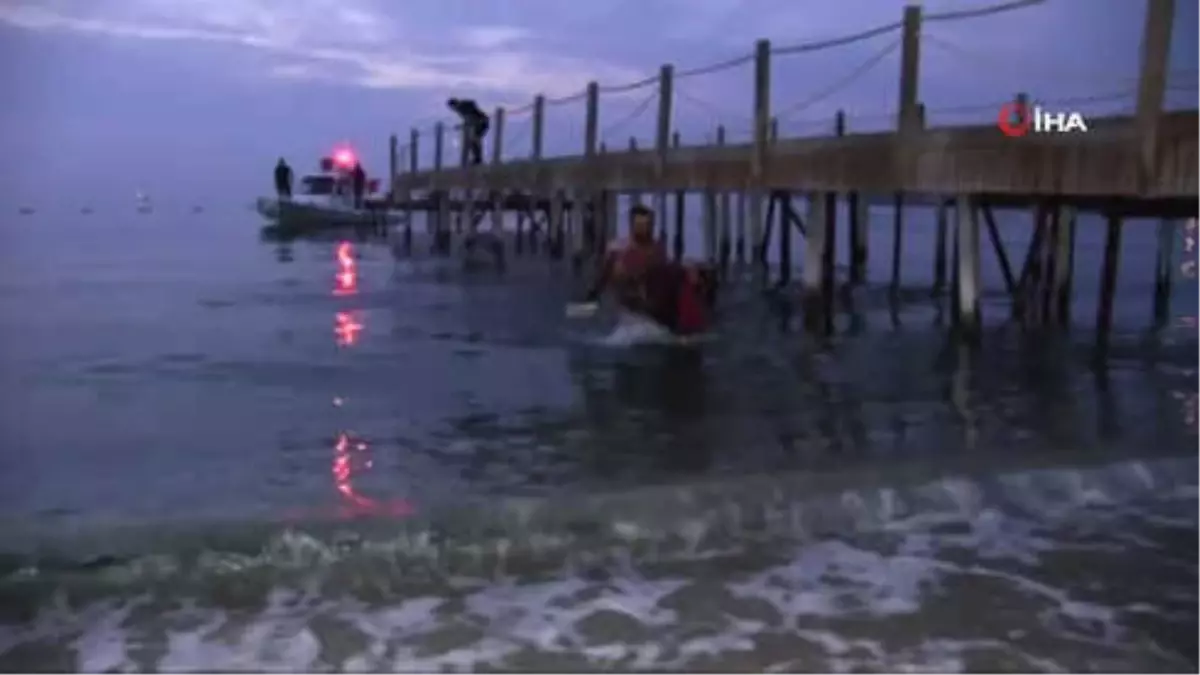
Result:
644,280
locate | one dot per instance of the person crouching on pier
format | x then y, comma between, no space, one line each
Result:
283,180
680,297
475,122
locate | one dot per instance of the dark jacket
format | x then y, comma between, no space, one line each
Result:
471,114
283,175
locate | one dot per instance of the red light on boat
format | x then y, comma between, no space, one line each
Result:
344,158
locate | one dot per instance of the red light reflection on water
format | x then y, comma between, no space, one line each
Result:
346,329
351,455
346,279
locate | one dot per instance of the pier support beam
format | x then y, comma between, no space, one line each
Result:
856,206
814,262
725,243
740,228
680,197
662,143
968,269
1064,265
557,224
710,226
1108,280
590,147
497,221
939,247
758,159
897,239
783,208
441,224
414,161
1164,271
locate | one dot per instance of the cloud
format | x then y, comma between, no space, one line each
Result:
350,41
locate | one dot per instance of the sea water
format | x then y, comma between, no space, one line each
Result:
217,455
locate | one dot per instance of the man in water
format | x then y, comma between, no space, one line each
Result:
475,122
359,179
283,180
680,297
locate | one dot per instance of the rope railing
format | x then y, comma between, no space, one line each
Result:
990,10
837,42
517,134
633,114
841,84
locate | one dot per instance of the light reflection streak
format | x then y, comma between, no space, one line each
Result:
347,325
346,279
351,455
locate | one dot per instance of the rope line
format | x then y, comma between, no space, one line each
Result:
632,86
716,111
714,67
837,42
632,115
981,11
570,98
840,84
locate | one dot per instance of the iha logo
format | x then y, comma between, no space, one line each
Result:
1019,119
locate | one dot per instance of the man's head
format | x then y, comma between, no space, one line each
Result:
453,103
641,224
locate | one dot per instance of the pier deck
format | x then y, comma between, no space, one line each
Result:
977,159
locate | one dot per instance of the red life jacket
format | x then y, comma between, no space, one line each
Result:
691,312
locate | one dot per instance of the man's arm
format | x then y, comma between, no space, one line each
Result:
604,274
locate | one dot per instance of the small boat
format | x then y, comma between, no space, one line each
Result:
325,201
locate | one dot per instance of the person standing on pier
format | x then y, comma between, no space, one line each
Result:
359,179
475,122
283,180
679,297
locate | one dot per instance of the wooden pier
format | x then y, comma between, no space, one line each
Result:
1143,164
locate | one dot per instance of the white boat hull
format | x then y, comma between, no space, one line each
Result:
298,214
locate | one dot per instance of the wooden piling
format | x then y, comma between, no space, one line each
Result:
497,222
1152,82
709,214
662,143
829,258
897,238
1064,255
591,139
680,197
968,269
1108,279
723,217
414,161
441,227
939,247
989,219
466,215
758,156
783,207
740,245
393,167
813,273
1164,271
635,195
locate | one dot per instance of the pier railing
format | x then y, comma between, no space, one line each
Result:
421,161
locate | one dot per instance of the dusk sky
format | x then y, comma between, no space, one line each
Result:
193,100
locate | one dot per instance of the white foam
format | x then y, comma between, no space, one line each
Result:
845,599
